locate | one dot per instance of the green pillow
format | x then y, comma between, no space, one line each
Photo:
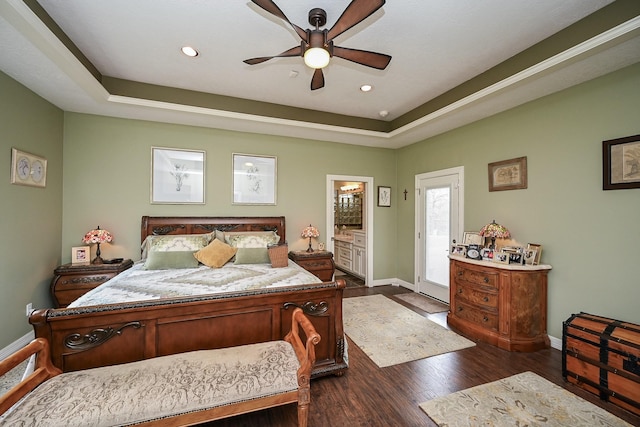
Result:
252,256
167,260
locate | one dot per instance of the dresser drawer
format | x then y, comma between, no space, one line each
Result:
485,318
478,277
475,295
83,281
359,239
316,264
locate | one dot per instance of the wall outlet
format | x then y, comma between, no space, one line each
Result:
29,309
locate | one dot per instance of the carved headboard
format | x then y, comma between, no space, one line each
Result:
161,225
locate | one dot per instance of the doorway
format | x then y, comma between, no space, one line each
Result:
439,220
362,203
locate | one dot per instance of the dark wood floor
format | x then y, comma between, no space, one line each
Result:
370,396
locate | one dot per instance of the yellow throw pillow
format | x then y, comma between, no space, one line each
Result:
216,254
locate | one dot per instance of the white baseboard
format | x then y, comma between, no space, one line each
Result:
555,343
16,345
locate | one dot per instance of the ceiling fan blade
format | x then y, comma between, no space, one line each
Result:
271,7
317,81
294,51
356,12
363,57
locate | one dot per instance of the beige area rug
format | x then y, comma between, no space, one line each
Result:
521,400
427,304
390,333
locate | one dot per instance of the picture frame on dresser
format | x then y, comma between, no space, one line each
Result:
81,255
621,163
472,238
538,248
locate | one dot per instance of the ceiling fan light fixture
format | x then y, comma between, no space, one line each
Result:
316,57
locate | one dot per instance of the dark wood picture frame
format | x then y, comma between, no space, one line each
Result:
621,163
384,196
508,174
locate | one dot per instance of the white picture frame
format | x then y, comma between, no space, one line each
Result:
254,179
81,255
28,169
472,238
177,176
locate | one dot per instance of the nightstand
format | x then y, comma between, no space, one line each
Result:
72,281
319,263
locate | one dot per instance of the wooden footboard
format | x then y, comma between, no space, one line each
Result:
96,336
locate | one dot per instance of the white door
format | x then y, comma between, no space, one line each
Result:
439,219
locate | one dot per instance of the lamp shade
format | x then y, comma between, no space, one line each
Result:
98,236
494,230
310,231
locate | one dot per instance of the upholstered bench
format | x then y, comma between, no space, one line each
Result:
175,390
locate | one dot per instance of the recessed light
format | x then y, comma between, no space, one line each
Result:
189,51
366,88
383,113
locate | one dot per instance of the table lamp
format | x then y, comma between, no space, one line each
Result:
310,232
97,236
494,231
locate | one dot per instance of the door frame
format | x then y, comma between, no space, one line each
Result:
459,171
368,225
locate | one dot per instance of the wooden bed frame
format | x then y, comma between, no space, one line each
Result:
87,337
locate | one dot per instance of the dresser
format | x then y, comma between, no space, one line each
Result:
318,263
502,304
72,281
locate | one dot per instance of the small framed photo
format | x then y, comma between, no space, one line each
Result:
508,174
501,257
621,163
177,176
472,238
538,248
460,250
321,246
384,196
81,255
28,169
487,254
254,179
529,256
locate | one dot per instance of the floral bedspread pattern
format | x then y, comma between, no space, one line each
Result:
137,284
160,387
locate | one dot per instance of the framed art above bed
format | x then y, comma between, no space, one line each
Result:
254,179
177,176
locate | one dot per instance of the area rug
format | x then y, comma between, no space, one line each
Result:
525,399
390,333
429,305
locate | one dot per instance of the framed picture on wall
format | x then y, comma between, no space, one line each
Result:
508,174
621,163
254,179
28,169
384,196
177,176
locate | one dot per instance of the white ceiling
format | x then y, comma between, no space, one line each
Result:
436,46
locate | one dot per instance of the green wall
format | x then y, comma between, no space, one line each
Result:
107,180
31,223
588,235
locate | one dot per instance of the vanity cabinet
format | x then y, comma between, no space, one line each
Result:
351,256
502,304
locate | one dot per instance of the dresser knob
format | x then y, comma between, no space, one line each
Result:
460,273
459,309
486,280
485,319
485,299
459,290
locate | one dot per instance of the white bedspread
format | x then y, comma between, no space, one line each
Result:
136,284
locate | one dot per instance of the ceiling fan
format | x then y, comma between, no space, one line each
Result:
317,46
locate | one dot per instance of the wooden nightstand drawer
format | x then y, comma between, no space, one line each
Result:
474,295
70,281
319,263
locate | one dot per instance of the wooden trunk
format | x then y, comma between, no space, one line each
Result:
602,356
